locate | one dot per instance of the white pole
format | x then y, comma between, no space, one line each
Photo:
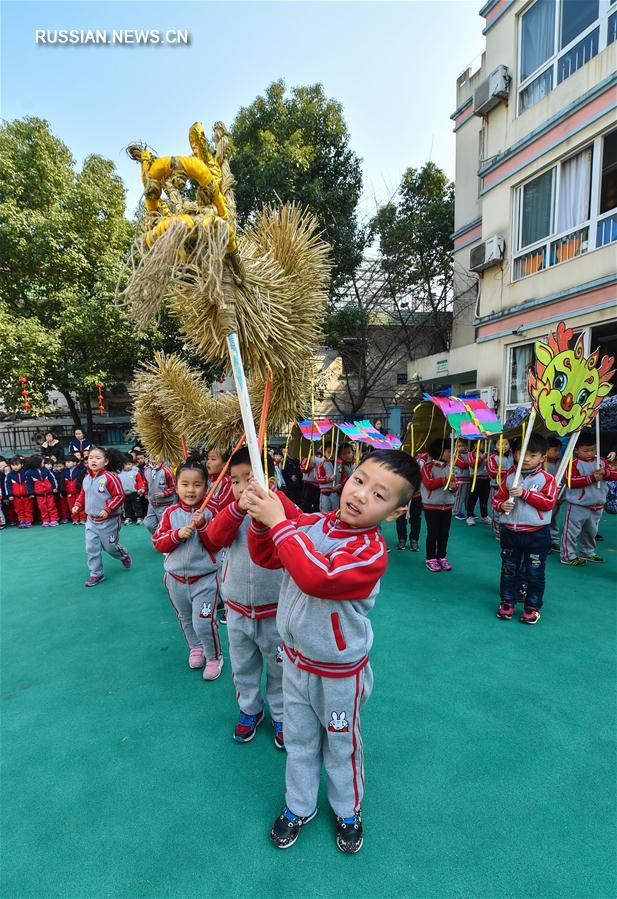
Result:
521,458
598,483
566,457
245,408
338,434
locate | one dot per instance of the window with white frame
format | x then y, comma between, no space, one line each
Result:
567,210
556,38
519,361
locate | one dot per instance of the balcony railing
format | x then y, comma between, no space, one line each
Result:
553,251
606,229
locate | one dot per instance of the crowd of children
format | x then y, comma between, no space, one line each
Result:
297,583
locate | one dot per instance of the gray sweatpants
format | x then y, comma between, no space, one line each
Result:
195,606
102,536
253,641
329,502
555,524
153,516
322,725
460,499
581,525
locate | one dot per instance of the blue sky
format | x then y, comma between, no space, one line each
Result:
393,66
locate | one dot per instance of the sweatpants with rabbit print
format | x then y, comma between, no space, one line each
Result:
322,726
254,642
195,606
102,536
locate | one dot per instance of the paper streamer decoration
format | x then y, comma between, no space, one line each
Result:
315,430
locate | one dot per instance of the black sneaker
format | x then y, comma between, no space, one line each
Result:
401,544
223,617
286,828
279,739
414,546
349,836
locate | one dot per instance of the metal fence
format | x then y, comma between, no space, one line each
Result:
18,438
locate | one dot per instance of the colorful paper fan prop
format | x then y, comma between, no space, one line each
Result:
439,417
566,389
315,430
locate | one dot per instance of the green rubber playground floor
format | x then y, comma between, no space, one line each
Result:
490,756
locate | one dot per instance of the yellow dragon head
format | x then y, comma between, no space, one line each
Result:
566,388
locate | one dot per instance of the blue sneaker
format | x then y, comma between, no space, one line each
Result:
279,740
460,517
349,836
286,828
246,727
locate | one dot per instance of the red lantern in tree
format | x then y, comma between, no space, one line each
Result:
24,393
100,398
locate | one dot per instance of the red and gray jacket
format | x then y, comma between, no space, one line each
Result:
533,509
247,588
222,496
435,497
461,467
324,476
161,485
41,481
346,470
186,560
16,484
331,579
583,489
492,467
101,492
309,467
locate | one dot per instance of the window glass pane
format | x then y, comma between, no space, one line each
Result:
576,15
521,358
612,29
537,209
537,36
581,53
538,88
574,191
608,188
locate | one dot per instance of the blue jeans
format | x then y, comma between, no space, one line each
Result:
523,558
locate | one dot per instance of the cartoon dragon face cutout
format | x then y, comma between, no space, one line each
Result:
566,388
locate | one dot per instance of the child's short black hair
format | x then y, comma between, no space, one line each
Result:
115,457
35,461
401,464
537,444
128,458
223,453
553,442
242,457
16,460
48,460
72,458
436,447
192,463
586,438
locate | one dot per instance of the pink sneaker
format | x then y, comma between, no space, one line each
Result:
433,565
213,668
444,565
127,561
196,657
92,580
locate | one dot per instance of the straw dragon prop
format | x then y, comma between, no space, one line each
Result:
267,284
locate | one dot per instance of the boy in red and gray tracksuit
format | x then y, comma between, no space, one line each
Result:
325,475
16,486
496,477
585,497
161,485
74,474
191,568
42,485
525,531
251,596
102,492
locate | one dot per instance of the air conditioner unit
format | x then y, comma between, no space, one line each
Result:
487,254
491,92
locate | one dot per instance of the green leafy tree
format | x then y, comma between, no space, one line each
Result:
296,147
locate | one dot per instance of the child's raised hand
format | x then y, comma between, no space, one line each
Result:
598,474
264,507
243,501
198,519
516,491
185,532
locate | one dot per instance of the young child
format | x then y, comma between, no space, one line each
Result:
43,486
415,524
310,487
482,488
437,502
332,565
525,531
191,566
8,508
585,497
161,491
497,473
551,465
128,478
325,476
279,477
347,466
101,497
463,478
61,500
251,596
223,494
18,492
74,474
